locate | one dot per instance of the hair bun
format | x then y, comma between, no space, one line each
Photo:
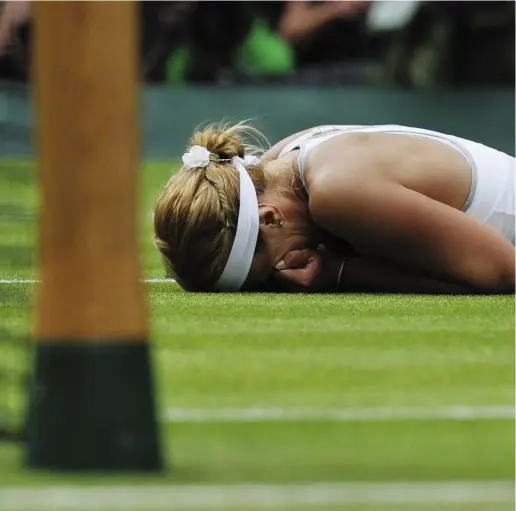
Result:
226,141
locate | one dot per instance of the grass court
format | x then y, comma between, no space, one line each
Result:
349,402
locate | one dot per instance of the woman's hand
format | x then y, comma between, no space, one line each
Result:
309,270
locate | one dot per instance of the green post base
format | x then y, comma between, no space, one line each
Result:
92,407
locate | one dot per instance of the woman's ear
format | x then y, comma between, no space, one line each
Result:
270,215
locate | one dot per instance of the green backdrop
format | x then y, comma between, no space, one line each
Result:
170,114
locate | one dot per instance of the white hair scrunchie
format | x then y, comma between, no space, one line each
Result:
197,156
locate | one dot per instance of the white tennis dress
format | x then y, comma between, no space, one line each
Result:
491,197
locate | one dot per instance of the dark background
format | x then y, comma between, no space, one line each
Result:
446,44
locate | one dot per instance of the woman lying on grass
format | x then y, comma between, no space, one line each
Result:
340,209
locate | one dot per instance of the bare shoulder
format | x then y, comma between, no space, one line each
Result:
348,170
367,158
274,151
351,157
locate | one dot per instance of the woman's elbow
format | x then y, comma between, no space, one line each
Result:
495,278
505,282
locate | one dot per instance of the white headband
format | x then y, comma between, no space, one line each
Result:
242,252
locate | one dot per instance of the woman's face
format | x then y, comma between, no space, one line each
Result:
285,225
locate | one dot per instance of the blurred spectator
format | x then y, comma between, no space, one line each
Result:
218,31
452,44
263,38
14,39
165,29
320,36
193,41
318,32
300,19
419,44
13,13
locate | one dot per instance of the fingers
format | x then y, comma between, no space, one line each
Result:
295,259
301,278
301,271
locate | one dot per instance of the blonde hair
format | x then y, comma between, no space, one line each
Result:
196,213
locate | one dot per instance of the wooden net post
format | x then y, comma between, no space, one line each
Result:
91,405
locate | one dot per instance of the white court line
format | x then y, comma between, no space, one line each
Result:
394,413
253,495
34,281
18,281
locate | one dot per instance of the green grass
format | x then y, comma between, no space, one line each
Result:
291,352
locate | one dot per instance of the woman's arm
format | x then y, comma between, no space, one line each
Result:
361,275
322,271
386,221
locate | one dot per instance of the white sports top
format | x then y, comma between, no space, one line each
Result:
491,197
